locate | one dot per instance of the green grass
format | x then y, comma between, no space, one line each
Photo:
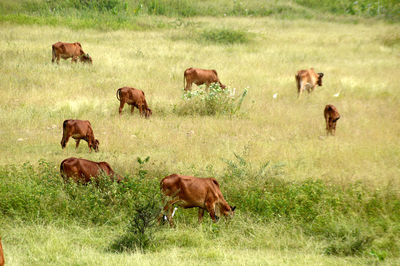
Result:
133,14
301,197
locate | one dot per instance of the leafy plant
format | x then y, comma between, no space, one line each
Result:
211,101
142,173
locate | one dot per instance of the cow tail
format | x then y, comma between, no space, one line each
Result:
53,53
62,169
118,94
184,79
65,127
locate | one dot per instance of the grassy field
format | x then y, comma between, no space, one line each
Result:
320,200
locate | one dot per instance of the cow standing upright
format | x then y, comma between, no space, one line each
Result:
82,170
200,76
307,80
69,50
191,192
1,254
331,115
79,129
135,98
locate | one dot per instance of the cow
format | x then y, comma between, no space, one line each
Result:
191,192
331,115
69,50
1,254
135,98
79,129
82,170
307,80
200,76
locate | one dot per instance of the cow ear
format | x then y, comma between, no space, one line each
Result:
320,75
233,208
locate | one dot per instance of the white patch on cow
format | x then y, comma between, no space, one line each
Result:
173,212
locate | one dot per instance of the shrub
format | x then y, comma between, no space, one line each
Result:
140,230
214,101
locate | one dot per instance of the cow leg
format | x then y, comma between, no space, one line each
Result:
201,213
132,109
207,86
74,59
211,209
121,105
90,144
327,125
301,89
333,128
168,209
77,143
141,111
58,58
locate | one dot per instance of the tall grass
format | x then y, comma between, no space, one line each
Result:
128,14
353,220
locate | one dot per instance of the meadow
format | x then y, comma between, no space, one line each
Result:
301,197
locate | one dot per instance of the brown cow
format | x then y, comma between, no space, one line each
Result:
200,76
190,192
308,80
82,170
135,98
79,129
331,115
69,50
1,254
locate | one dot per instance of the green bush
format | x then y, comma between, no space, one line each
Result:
39,194
349,219
224,36
139,234
213,101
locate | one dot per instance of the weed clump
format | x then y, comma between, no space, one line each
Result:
224,36
213,101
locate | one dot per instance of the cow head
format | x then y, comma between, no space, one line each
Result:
96,145
86,59
222,85
319,81
148,113
228,211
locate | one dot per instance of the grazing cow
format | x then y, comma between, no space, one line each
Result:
190,192
79,129
69,50
308,80
200,76
135,98
1,254
82,170
331,115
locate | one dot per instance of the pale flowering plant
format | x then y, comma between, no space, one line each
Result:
211,101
